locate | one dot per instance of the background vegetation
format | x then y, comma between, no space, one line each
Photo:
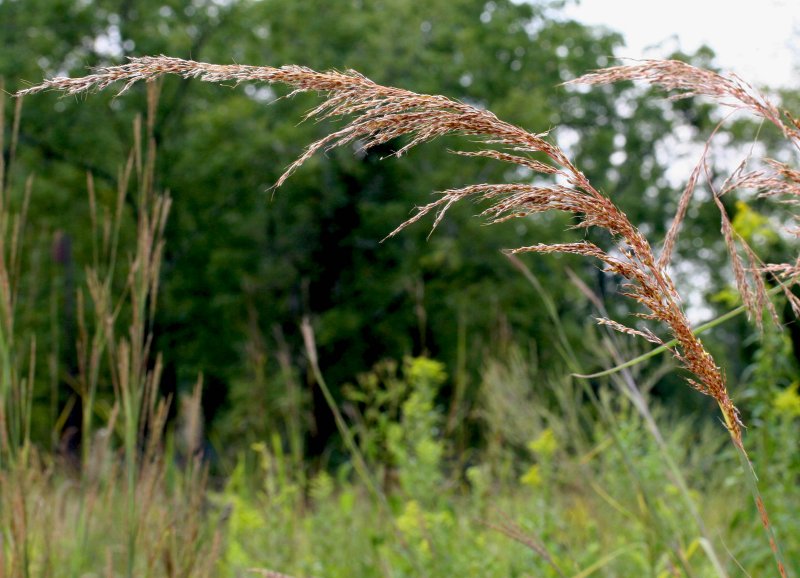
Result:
476,453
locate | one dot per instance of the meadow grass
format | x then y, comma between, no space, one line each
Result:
118,506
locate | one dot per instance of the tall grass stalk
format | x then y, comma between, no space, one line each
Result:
347,436
378,114
625,384
129,509
16,388
134,375
16,385
359,462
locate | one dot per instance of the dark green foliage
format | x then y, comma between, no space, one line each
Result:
243,265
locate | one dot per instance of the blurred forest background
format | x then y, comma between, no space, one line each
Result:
243,265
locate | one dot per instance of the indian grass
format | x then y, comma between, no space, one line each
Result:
376,114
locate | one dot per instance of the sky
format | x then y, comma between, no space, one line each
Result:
758,39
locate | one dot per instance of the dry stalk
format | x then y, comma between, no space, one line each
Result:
377,114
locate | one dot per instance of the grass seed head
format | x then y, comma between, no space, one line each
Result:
376,114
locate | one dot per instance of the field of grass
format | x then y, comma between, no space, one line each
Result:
572,477
568,487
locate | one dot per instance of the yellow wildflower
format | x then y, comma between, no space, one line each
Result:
545,445
787,402
409,521
533,477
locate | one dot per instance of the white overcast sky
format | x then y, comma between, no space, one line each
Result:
757,39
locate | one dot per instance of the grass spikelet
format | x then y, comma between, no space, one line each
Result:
688,81
732,91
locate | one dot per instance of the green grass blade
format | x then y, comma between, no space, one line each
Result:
670,344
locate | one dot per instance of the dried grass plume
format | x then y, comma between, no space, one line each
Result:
376,114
